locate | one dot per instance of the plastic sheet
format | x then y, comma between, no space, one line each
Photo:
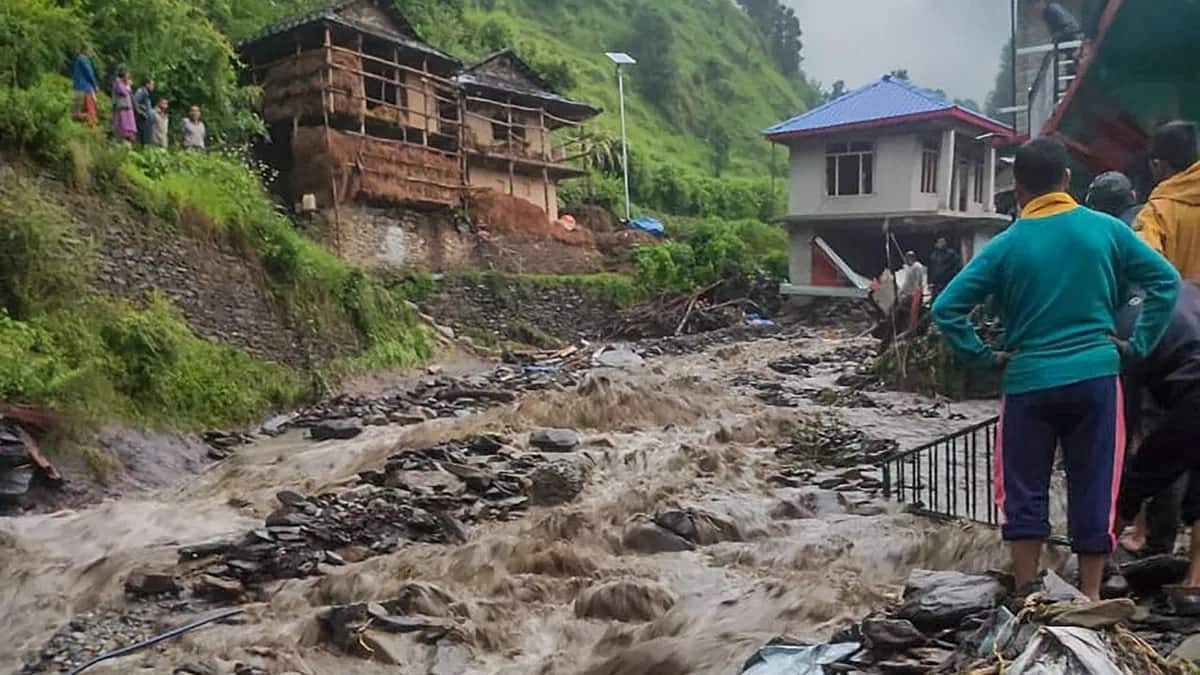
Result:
798,660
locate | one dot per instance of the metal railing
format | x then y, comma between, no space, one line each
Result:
951,477
1058,70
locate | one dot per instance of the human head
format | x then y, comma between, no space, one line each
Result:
942,242
1041,168
1172,149
910,257
163,104
123,72
148,83
1112,193
194,113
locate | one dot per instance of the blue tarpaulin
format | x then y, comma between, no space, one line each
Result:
648,224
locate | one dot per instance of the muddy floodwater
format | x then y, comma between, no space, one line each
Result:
557,590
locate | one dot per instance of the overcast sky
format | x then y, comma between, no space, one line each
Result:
945,44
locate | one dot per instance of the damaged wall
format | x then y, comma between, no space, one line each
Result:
394,238
532,189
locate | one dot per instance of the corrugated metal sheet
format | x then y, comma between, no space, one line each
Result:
880,101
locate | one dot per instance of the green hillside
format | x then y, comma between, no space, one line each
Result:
709,78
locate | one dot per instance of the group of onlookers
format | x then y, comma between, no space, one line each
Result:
136,115
1102,348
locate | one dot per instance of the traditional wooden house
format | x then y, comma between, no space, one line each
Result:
510,114
359,107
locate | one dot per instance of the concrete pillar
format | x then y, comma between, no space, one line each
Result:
946,170
989,179
800,239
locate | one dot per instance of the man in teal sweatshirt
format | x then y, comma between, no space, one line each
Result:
1057,276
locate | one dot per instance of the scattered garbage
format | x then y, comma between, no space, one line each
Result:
782,659
617,356
944,599
758,322
650,225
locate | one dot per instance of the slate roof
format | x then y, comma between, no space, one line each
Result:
406,36
474,76
888,101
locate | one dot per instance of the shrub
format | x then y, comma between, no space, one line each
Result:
37,118
39,36
45,263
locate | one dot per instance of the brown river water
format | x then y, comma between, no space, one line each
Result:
677,433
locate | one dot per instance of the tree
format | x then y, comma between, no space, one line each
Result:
1001,95
653,43
780,30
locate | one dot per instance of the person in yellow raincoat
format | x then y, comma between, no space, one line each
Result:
1170,223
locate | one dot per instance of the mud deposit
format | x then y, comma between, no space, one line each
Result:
673,538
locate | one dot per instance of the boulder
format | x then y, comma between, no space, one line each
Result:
339,429
944,599
892,634
629,600
151,581
644,536
698,525
555,440
556,483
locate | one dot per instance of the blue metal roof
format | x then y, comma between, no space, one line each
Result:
878,103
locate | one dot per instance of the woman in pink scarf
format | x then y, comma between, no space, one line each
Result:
124,124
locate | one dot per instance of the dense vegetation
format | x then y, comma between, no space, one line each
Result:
711,75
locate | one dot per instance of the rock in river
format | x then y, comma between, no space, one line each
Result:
555,440
339,429
556,483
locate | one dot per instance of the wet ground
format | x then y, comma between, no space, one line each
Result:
559,590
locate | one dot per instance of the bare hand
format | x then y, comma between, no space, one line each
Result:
1001,359
1122,346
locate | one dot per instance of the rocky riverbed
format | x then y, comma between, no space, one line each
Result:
661,518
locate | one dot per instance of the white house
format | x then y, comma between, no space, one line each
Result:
890,157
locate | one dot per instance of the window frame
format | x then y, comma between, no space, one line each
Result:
862,152
931,157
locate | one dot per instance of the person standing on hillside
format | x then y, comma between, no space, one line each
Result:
83,81
1056,276
124,124
162,124
194,135
944,265
143,107
1170,223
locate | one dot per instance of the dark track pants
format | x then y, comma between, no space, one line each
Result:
1088,420
1168,452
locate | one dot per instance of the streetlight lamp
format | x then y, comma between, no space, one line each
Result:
623,59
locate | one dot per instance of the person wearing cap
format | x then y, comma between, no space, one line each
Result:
1113,193
1157,524
913,279
1166,465
1057,275
1170,223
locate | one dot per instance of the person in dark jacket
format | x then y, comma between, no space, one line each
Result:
1113,193
944,265
1063,25
1168,379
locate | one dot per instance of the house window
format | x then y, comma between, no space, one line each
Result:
930,155
979,181
849,169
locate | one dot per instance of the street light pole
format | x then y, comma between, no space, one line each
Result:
623,59
624,142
